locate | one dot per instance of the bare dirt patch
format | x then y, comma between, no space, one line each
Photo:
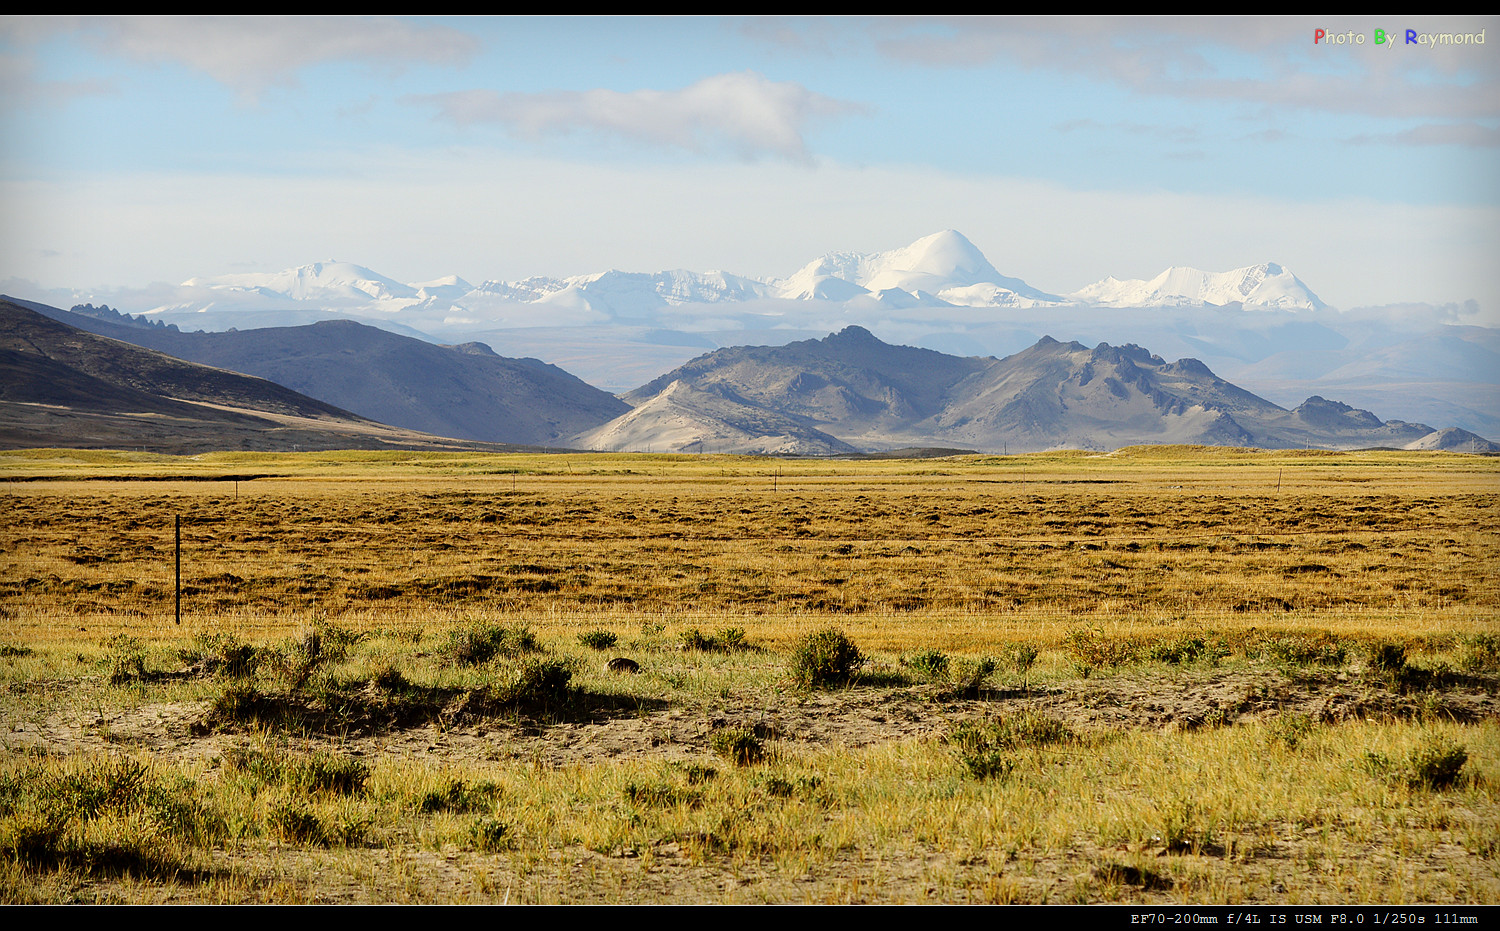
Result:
845,718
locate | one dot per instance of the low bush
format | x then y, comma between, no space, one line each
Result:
127,660
739,745
1291,729
489,834
1388,657
1023,657
1187,649
221,655
598,639
1305,650
825,659
1092,649
661,795
1480,653
1435,765
930,665
459,797
540,687
477,644
723,640
987,750
325,773
967,676
291,823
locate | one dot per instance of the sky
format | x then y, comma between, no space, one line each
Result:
142,150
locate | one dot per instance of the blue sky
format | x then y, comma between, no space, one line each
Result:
141,150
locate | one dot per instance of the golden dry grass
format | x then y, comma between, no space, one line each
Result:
1011,548
1080,556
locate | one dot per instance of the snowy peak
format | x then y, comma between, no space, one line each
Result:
674,287
319,281
945,265
1265,286
339,281
943,270
945,259
447,288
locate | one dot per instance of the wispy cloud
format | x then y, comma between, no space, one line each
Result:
1181,135
742,112
251,53
1257,59
1461,134
19,85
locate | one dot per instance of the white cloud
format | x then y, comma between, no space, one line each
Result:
742,112
1256,59
250,53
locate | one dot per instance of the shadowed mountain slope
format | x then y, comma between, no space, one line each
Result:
849,378
1053,395
466,391
61,386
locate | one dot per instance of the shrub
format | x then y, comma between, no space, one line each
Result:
1124,874
319,772
1292,729
966,677
986,749
455,795
241,705
697,773
695,639
1324,650
737,744
321,643
1091,649
1023,657
127,660
724,640
730,638
540,686
221,655
36,839
327,772
388,678
1437,764
292,823
660,795
598,639
1184,828
262,768
825,659
1481,653
985,762
929,664
477,644
1388,657
489,834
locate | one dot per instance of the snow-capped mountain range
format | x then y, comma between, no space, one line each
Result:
1260,286
941,270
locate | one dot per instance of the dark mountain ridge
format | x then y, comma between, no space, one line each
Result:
61,386
1052,395
466,392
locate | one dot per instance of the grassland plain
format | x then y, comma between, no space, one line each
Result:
1188,675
